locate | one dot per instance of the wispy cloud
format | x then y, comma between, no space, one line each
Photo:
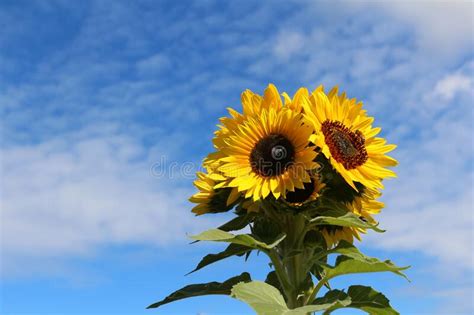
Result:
68,196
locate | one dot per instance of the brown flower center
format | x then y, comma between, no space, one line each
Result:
346,147
272,155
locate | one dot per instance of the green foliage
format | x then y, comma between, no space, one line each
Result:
267,300
238,222
203,289
272,279
262,297
336,298
231,250
359,297
217,235
348,219
218,203
369,300
350,265
266,229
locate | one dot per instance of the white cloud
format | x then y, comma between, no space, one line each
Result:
153,64
66,197
429,206
442,27
287,44
452,84
438,229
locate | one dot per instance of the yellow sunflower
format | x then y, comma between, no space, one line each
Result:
301,97
364,206
310,192
345,135
210,199
252,104
267,153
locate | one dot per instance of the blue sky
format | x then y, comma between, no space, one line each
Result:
93,94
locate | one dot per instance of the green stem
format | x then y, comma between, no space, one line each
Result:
280,271
315,291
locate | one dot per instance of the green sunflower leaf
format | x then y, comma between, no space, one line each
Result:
361,264
231,250
347,219
369,300
217,235
272,279
210,288
267,300
262,297
360,297
335,298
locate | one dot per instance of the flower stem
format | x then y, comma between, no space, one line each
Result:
280,272
315,291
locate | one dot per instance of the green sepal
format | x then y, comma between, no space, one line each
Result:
210,288
218,202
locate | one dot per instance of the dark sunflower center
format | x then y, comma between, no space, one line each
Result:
301,195
346,147
272,155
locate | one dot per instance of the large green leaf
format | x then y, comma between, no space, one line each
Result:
203,289
336,298
369,300
364,264
347,219
267,300
231,250
304,310
360,297
272,279
237,223
262,297
217,235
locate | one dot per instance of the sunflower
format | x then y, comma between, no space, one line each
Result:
363,206
345,135
302,96
310,192
252,104
210,199
267,153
